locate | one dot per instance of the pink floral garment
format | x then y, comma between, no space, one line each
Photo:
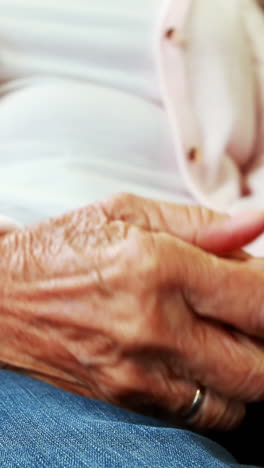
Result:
211,65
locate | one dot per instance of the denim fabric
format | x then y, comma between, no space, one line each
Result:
42,426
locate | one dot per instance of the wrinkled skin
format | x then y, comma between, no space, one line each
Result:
121,302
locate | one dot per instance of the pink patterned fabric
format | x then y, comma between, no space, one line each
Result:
211,65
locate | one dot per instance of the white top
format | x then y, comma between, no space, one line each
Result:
107,42
80,111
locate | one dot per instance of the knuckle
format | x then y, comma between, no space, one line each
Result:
115,204
251,382
143,331
127,377
152,323
206,216
200,217
15,248
254,319
142,212
193,218
247,367
142,251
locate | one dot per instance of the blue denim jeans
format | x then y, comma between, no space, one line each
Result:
42,426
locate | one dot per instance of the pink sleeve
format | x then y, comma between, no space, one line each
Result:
214,102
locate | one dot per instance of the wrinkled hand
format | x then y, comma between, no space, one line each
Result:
110,302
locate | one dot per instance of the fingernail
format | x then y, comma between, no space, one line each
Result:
248,216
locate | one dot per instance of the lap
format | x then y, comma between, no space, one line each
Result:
43,426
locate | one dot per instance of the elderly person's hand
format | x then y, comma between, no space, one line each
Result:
112,301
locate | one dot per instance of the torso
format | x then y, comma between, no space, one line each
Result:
80,112
107,42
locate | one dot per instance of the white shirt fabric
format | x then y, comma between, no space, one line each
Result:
80,110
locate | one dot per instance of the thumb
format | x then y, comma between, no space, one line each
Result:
225,234
212,231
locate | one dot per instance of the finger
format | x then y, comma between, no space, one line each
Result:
219,413
169,404
151,387
228,291
232,293
215,412
219,358
212,231
225,361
